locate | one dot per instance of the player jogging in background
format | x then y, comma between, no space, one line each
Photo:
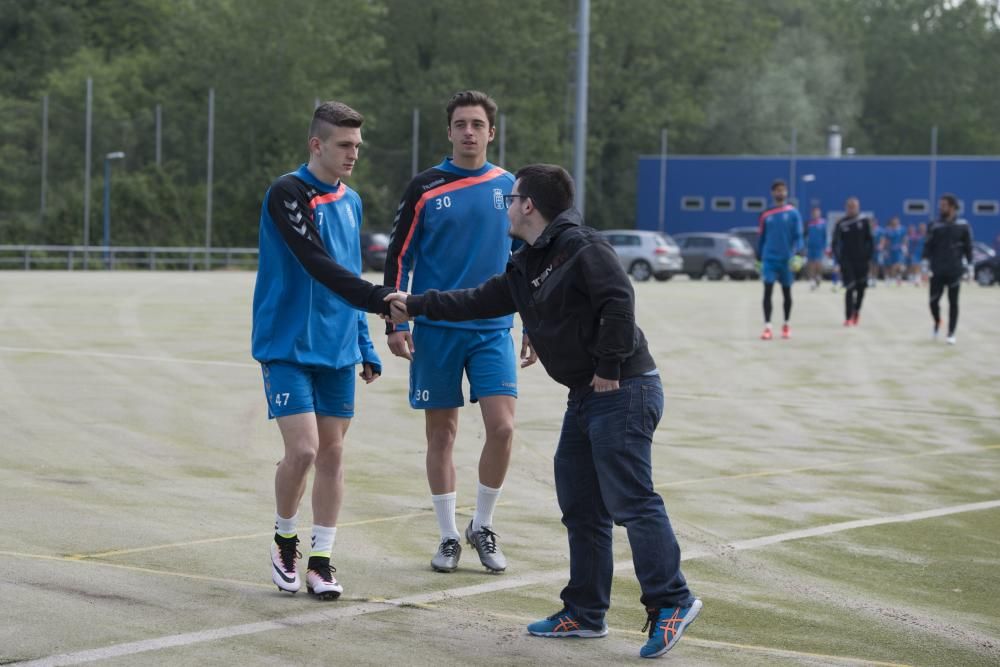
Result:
895,251
308,337
915,248
875,262
949,241
451,232
780,238
815,246
853,246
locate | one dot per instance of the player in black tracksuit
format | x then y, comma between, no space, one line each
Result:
578,308
948,242
852,250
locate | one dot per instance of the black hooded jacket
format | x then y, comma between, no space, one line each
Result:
575,301
948,241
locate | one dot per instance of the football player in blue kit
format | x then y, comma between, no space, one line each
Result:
815,246
895,250
451,232
878,253
309,334
915,249
780,238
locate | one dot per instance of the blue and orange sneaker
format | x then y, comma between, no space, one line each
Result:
666,625
562,624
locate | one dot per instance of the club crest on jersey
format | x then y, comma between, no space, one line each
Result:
498,199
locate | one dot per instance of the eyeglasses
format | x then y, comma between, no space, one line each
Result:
508,200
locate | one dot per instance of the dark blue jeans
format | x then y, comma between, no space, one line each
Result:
603,471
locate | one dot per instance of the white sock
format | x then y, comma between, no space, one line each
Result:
444,508
323,538
285,527
486,501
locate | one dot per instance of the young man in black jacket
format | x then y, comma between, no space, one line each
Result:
948,241
578,308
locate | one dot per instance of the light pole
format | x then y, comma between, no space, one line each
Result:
804,203
117,155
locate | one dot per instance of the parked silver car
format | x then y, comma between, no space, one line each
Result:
643,254
715,255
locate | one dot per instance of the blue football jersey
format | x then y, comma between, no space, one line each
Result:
780,233
295,318
451,232
816,236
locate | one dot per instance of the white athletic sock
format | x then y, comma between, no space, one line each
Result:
323,538
486,501
444,508
285,527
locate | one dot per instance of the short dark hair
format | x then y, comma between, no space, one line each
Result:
549,186
778,183
473,98
333,114
951,199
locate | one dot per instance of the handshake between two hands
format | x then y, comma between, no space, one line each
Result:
397,308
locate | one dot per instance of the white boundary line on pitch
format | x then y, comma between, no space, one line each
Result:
360,609
669,394
134,357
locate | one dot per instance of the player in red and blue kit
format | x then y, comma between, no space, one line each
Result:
780,238
915,248
309,334
451,232
878,247
816,236
895,250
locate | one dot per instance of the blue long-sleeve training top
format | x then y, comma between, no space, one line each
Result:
780,233
309,232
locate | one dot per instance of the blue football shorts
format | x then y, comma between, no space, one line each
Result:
443,354
292,389
776,271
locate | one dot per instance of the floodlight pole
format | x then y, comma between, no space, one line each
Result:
117,155
86,173
791,166
415,158
159,135
661,219
502,141
208,184
580,128
933,165
45,154
806,178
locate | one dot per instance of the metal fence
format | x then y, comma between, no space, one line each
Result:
100,258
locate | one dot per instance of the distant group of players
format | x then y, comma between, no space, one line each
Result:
939,252
897,256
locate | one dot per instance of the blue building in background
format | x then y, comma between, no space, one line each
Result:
715,193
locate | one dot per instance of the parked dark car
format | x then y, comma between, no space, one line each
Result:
987,271
374,246
715,255
981,251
